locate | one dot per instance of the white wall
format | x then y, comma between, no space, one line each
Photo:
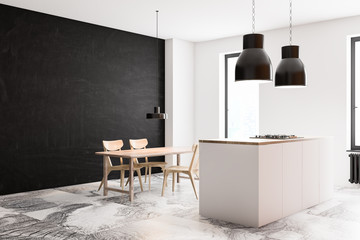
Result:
210,86
319,109
179,96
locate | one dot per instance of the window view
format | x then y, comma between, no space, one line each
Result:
241,103
355,93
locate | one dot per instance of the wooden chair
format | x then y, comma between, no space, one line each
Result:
115,146
193,168
141,144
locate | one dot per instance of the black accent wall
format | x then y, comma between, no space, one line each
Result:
65,86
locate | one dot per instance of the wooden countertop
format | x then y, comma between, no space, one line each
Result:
256,141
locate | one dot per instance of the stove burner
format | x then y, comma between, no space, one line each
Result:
278,136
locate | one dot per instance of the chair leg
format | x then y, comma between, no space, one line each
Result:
197,174
122,175
173,182
149,178
139,176
164,181
102,182
193,184
146,172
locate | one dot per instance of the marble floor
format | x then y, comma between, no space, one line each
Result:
80,212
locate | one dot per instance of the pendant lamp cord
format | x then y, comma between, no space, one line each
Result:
290,27
157,24
253,16
157,53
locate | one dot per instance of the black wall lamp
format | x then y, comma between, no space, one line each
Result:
290,71
253,63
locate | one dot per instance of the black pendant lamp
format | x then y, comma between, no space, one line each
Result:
290,72
157,114
253,63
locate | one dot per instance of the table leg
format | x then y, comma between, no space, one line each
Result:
131,179
105,175
178,164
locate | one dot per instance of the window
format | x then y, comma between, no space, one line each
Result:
355,93
241,103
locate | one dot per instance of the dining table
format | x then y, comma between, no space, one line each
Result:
133,155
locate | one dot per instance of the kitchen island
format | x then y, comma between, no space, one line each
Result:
253,182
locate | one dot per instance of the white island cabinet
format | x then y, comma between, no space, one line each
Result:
257,181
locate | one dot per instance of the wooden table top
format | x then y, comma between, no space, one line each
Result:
148,152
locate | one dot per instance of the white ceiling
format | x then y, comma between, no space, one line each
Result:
193,20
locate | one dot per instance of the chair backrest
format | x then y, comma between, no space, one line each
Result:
195,158
114,145
138,143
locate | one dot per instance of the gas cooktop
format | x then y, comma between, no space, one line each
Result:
275,136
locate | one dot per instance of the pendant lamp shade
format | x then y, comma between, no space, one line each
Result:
157,114
290,71
253,63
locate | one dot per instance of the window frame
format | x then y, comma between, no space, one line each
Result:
227,56
353,107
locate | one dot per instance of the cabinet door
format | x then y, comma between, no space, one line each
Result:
270,183
311,183
326,168
292,177
229,183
